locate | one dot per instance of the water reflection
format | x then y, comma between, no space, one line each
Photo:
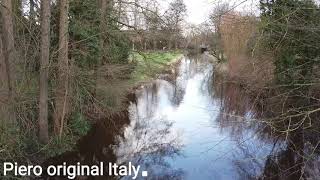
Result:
95,147
183,121
287,156
149,139
199,126
205,128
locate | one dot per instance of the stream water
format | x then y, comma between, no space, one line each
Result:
178,129
193,127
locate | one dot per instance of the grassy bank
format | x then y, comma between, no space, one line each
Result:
23,146
151,63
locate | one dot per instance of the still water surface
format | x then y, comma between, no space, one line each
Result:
196,126
177,129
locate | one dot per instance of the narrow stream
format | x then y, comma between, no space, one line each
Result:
177,130
196,126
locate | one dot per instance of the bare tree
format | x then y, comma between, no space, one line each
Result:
216,18
61,101
136,14
174,16
8,51
44,63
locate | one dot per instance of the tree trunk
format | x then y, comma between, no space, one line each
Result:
119,11
103,4
8,52
17,7
220,53
135,14
3,85
62,92
176,43
154,44
44,64
103,26
170,43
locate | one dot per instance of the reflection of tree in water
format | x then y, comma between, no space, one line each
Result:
95,147
188,69
292,155
299,159
178,95
180,82
149,94
149,142
286,161
235,108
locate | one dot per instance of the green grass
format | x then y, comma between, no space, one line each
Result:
151,63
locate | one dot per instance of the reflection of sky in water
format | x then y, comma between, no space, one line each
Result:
160,127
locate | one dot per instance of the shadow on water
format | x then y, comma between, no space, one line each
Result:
197,126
